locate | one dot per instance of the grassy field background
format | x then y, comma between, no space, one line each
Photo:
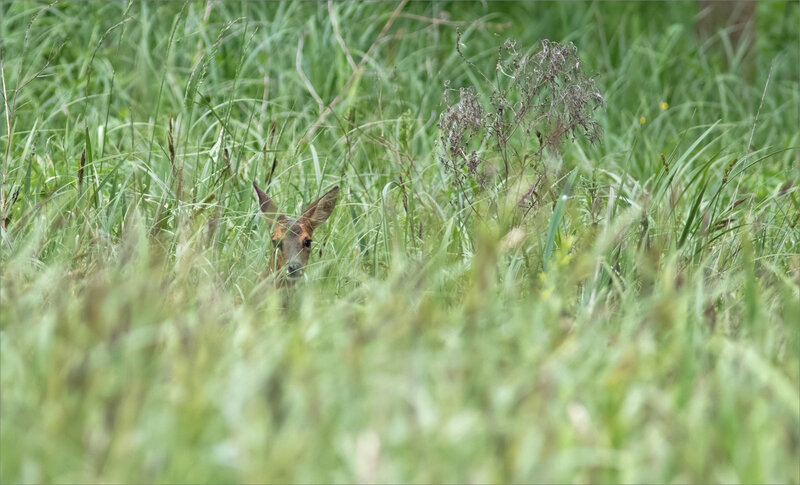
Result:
640,324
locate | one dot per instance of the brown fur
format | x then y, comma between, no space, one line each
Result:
292,237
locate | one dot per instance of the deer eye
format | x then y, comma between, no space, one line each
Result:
307,243
278,243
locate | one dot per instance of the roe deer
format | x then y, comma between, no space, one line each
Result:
292,237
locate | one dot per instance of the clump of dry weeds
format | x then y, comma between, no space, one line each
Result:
535,102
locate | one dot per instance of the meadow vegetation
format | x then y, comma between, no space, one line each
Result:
599,284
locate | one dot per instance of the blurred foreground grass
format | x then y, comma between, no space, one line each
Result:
139,342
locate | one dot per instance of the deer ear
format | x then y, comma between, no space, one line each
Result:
268,208
318,211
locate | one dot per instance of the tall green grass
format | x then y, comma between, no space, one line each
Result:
642,329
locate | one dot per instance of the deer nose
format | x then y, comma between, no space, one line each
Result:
294,269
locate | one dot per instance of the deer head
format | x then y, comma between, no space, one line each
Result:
292,237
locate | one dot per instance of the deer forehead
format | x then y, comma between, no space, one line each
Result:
295,228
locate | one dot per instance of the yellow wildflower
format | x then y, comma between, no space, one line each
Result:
663,105
642,120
